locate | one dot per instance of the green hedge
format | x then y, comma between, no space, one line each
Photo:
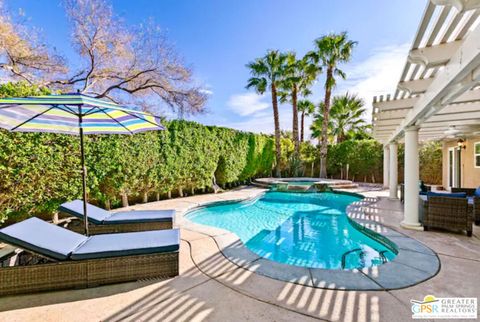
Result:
365,160
39,171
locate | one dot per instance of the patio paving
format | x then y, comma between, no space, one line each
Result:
213,288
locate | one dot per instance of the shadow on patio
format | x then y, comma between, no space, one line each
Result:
237,293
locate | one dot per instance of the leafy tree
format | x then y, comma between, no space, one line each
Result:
267,74
364,159
305,107
289,163
329,52
430,154
308,153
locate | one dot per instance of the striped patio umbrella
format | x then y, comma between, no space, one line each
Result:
74,114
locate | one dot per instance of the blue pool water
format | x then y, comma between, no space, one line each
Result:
309,230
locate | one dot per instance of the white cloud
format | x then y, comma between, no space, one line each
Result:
262,121
247,104
206,91
376,75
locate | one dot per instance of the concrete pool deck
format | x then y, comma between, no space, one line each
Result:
211,287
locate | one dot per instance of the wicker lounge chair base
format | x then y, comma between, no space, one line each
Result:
86,273
65,259
105,222
78,227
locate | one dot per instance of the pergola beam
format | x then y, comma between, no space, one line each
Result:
454,117
460,5
459,75
408,103
470,121
434,56
417,86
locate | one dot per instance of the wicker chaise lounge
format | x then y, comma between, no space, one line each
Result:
77,261
446,212
105,222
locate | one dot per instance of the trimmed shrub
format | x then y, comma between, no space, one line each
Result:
365,161
39,171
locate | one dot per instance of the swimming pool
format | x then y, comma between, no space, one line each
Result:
308,230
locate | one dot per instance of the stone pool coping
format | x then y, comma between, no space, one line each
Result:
306,179
414,264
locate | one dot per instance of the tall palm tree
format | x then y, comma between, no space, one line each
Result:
346,114
267,73
329,52
345,119
317,126
298,76
305,107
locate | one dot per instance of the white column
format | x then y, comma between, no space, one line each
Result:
393,177
412,177
386,165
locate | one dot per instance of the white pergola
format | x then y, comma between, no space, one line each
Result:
438,93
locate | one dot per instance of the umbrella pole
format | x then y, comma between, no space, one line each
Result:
84,178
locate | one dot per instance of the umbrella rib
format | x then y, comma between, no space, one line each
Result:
91,111
68,110
105,112
33,117
141,118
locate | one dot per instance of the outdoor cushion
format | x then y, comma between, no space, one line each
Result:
75,208
133,216
447,195
124,244
477,192
42,238
99,216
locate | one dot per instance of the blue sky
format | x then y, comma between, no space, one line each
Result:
219,37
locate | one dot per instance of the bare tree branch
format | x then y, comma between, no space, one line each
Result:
118,62
23,56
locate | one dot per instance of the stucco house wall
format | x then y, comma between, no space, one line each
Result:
470,175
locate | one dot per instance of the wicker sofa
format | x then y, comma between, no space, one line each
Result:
68,260
474,200
446,213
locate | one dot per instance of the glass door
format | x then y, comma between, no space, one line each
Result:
454,167
450,167
458,168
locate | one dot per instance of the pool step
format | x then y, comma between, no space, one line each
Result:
344,186
260,184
